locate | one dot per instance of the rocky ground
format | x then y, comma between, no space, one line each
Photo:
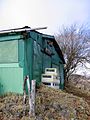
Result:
51,104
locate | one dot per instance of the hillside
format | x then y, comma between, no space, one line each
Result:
51,104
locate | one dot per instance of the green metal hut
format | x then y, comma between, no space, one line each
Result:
25,51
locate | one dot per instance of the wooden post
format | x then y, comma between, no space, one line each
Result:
24,96
33,95
29,92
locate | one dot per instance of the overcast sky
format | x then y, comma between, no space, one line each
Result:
41,13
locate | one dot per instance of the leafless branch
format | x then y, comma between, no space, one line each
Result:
75,45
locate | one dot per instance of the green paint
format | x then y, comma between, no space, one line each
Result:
10,37
23,56
61,76
21,52
11,75
28,57
9,51
9,65
46,62
61,86
37,62
11,80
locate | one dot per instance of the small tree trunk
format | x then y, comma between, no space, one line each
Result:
65,79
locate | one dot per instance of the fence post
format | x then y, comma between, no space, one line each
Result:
33,96
29,93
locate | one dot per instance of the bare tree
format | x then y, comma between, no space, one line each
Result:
75,45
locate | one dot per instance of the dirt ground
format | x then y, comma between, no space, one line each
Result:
80,86
78,92
51,104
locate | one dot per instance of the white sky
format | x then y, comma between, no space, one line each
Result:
41,13
83,71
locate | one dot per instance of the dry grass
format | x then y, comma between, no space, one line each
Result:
51,104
